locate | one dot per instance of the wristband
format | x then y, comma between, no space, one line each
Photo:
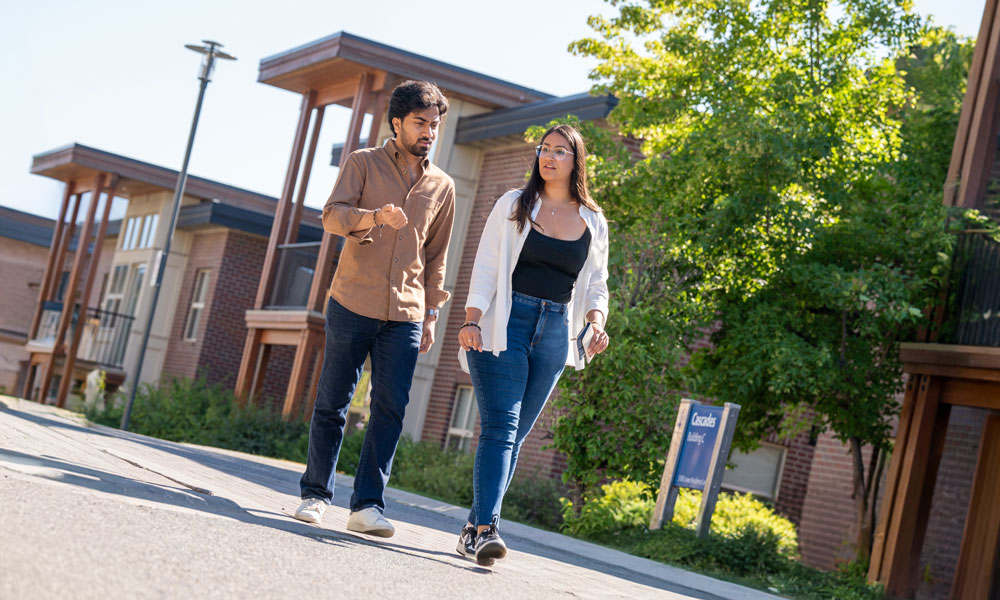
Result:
471,324
375,218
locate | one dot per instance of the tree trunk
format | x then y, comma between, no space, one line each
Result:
865,496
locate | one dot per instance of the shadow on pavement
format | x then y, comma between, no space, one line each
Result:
284,481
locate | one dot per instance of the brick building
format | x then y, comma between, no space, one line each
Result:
219,242
240,302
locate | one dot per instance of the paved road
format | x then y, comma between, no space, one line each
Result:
92,512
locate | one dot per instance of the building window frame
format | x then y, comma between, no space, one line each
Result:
198,296
139,231
778,470
464,415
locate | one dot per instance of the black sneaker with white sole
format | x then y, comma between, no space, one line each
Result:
489,546
467,542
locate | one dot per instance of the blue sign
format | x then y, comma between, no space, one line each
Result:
696,450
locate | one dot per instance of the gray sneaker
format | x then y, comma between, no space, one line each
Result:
489,546
467,542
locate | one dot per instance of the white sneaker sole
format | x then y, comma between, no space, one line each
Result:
376,531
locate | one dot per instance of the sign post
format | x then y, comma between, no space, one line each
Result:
696,459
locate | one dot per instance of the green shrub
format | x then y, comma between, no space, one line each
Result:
619,505
197,412
629,504
534,499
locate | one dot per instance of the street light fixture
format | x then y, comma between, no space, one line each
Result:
211,51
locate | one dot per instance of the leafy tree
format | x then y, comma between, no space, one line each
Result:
795,151
615,416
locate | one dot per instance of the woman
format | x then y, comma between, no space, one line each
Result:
539,277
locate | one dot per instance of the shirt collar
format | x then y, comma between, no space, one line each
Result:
393,147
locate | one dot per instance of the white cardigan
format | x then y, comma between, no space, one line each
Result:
490,285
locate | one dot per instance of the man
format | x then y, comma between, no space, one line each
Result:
397,210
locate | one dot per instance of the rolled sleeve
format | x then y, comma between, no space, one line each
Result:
341,214
436,251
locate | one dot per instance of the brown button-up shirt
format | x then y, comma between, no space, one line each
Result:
384,273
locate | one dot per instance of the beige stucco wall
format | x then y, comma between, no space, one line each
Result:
161,203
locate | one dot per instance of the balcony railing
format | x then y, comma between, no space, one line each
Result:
103,339
293,279
975,300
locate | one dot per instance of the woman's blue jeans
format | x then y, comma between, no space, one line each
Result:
511,390
350,338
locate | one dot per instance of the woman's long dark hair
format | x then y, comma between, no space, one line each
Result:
577,179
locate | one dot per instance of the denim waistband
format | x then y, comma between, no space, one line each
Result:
551,305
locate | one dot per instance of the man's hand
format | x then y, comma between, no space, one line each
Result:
391,215
427,339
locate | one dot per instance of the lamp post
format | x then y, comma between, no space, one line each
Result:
211,51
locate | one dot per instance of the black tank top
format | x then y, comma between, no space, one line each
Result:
547,267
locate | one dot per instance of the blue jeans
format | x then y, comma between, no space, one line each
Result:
350,338
511,390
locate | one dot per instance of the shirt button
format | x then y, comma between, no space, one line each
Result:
400,237
395,260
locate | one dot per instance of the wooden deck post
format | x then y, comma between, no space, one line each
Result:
975,575
50,263
69,299
283,209
321,275
919,459
88,285
292,232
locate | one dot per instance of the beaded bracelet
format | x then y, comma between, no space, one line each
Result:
471,324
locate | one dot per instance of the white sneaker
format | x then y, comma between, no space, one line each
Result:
311,510
370,520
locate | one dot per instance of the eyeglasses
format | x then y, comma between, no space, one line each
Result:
557,153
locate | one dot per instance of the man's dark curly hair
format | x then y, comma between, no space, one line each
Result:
414,95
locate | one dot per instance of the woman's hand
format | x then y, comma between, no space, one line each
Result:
599,343
470,338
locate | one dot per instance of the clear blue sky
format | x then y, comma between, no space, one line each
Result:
114,74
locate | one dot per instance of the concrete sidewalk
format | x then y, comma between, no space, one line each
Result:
92,512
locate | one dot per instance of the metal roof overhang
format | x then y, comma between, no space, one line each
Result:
332,66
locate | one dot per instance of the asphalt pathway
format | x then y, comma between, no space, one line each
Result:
92,512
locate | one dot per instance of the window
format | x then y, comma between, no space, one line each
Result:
464,415
115,292
758,472
139,231
197,304
148,230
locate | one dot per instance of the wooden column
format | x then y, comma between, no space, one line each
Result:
975,573
88,286
284,203
317,291
50,264
50,286
64,244
248,364
69,300
293,226
975,143
920,455
380,106
892,477
321,275
297,382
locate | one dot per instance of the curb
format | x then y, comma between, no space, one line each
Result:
588,550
